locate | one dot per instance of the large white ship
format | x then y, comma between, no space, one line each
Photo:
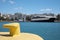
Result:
43,18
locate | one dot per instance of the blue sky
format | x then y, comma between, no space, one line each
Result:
30,6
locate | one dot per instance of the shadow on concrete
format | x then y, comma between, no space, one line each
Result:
6,35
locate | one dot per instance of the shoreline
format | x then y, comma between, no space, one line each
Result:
26,21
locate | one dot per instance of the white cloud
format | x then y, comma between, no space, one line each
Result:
47,9
18,8
11,2
3,0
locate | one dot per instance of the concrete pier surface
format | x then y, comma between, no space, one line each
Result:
22,36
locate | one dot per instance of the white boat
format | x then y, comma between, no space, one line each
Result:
43,18
21,20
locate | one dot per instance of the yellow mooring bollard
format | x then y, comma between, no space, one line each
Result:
14,28
16,34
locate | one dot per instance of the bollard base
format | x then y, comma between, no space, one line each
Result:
22,36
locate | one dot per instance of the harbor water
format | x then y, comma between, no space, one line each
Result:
47,30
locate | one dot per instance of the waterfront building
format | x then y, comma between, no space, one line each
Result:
20,16
0,14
